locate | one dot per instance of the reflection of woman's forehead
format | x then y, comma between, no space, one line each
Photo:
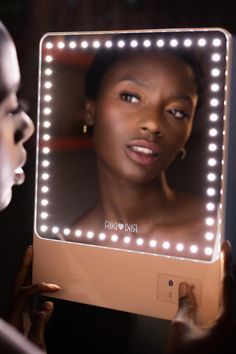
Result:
146,73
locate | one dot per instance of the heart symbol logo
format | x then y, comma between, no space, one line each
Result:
121,226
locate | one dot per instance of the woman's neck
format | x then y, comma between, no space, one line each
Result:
127,202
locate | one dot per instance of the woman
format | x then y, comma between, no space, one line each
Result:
141,105
15,129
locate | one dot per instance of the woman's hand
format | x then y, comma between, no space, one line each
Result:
24,315
219,337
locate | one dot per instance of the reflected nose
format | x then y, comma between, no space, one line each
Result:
151,123
25,128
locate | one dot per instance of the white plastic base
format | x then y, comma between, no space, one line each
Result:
139,283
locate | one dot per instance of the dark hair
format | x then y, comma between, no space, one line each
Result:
106,58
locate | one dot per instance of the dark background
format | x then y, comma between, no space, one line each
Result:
27,21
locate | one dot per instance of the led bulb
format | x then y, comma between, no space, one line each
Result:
48,58
49,45
102,236
160,43
78,233
139,241
108,44
72,45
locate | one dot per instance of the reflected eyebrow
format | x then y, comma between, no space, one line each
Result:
135,81
184,97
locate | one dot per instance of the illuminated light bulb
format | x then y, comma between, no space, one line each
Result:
216,42
211,177
212,162
208,251
160,43
44,202
47,98
121,44
209,221
174,43
212,147
215,87
46,137
134,43
166,245
114,238
55,229
61,45
47,111
84,44
139,241
102,236
46,150
72,45
213,132
202,42
127,239
90,234
221,192
48,85
209,236
108,44
45,163
96,44
78,233
215,57
179,247
187,42
210,206
44,215
66,231
215,72
194,249
48,72
153,243
211,192
47,124
147,43
44,189
48,58
45,176
214,117
214,102
49,45
43,228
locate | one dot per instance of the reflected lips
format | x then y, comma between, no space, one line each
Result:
143,152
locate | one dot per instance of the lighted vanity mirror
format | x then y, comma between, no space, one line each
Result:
132,140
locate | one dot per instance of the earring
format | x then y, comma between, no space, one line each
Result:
85,129
183,153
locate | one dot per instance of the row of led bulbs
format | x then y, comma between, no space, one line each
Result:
153,244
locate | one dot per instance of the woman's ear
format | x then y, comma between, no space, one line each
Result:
89,112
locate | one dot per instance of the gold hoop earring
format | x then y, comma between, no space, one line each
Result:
85,129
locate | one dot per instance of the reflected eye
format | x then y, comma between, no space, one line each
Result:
129,97
177,113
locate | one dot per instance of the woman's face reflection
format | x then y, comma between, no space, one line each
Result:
143,115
